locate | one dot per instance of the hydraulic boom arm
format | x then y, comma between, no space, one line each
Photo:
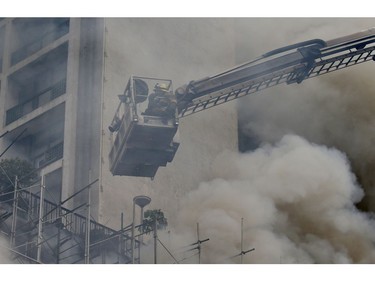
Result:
146,120
290,64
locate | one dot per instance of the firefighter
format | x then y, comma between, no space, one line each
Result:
161,102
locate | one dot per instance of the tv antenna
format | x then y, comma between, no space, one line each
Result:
198,243
242,253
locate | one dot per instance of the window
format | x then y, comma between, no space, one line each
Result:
31,35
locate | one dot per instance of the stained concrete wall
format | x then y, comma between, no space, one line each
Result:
88,116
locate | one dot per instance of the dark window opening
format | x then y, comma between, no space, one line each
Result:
31,35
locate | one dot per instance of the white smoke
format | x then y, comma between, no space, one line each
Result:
297,195
297,200
334,110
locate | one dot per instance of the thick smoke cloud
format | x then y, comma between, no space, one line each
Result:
334,110
297,200
299,192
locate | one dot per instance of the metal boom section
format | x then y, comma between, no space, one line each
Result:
277,67
147,118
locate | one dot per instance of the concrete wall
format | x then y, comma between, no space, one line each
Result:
87,134
181,50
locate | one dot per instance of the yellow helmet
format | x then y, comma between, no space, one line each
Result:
161,86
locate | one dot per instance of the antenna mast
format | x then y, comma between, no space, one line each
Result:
199,242
242,251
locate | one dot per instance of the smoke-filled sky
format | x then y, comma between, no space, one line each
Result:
298,192
334,110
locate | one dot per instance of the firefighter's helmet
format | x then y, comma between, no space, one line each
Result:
161,87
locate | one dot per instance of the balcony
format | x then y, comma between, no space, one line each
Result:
33,103
53,154
42,41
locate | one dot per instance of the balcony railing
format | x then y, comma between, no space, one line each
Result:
52,154
46,39
30,105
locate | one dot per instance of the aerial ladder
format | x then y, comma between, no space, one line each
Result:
144,140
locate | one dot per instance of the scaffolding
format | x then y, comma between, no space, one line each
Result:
40,231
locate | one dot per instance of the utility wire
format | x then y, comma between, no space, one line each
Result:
167,250
4,134
13,142
189,257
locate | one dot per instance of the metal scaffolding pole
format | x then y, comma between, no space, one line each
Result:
121,242
133,228
87,240
59,225
40,224
14,218
88,223
155,241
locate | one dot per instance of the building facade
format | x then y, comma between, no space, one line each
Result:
41,92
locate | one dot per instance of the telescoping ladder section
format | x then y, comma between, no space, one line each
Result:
274,68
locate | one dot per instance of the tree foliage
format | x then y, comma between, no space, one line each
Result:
149,221
10,168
